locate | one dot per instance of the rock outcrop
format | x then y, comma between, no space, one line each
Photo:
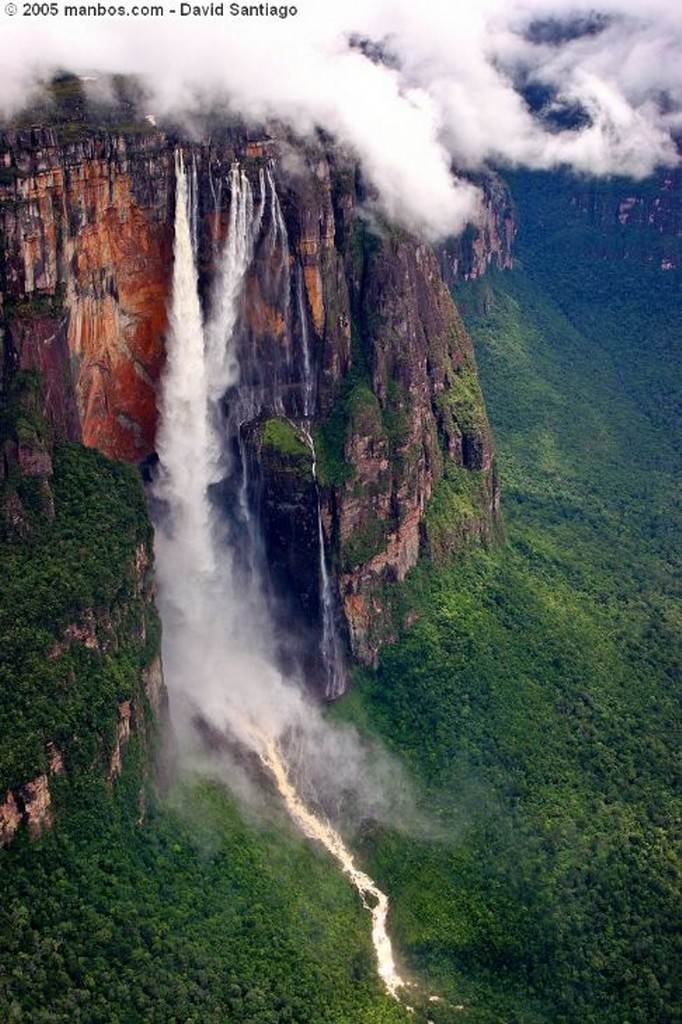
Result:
31,804
487,242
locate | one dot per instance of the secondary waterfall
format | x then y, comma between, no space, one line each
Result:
330,645
217,643
308,379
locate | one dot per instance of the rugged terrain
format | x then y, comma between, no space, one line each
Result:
529,687
345,325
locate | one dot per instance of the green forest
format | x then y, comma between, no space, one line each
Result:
536,694
531,695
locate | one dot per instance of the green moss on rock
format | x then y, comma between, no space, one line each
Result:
364,543
283,437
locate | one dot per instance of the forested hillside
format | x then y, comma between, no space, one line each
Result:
535,692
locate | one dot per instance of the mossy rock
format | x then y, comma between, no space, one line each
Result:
283,437
364,412
364,544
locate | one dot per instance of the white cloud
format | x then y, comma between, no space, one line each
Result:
453,94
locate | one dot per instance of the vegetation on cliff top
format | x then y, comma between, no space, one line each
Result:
113,103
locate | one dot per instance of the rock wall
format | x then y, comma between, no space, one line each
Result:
350,330
30,805
486,243
614,219
420,412
86,247
638,221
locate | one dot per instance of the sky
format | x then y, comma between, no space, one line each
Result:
449,89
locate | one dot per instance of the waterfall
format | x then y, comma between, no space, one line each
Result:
194,558
222,364
258,214
332,655
280,238
330,645
184,430
279,249
263,350
217,638
193,202
217,195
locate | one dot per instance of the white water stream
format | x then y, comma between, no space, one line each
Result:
373,899
308,382
216,636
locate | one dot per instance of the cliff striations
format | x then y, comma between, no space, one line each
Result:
347,332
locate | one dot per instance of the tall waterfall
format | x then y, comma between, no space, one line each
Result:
217,636
195,562
184,432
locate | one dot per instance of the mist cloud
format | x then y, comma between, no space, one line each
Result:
451,91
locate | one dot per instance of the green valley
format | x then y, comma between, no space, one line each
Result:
535,691
531,694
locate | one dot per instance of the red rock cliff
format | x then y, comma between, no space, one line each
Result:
87,243
349,328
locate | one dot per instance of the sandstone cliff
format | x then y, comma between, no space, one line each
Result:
611,219
345,327
86,248
488,242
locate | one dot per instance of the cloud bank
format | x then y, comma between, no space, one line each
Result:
413,87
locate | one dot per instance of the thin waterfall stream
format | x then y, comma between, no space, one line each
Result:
215,641
332,655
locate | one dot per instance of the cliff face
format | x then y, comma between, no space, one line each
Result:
486,243
612,219
359,344
346,332
86,249
418,413
639,221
